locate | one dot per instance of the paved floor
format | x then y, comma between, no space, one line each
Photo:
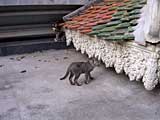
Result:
30,89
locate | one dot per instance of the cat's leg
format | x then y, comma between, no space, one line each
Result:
76,80
87,78
90,77
70,78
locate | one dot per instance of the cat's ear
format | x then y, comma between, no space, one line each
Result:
93,59
90,58
96,61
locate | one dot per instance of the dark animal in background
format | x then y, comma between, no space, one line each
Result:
78,68
59,32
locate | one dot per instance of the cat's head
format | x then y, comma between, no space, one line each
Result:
94,62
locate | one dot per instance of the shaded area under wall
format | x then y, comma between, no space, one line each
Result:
29,27
29,46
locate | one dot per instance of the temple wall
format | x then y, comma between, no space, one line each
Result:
136,61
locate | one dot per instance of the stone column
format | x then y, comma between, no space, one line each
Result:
153,21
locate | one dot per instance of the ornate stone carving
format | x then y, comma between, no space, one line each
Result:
138,62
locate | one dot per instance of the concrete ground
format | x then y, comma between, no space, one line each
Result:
30,89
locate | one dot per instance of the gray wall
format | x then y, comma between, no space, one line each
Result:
38,2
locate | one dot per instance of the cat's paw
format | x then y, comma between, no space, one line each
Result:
86,82
92,78
79,84
72,83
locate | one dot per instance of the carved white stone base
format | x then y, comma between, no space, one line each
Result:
138,62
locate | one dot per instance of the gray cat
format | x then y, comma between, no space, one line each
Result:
78,68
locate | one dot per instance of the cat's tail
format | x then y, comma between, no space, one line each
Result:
67,73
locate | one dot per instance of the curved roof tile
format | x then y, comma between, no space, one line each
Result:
108,19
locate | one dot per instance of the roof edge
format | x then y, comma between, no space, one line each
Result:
76,12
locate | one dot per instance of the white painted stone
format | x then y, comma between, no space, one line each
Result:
138,62
148,28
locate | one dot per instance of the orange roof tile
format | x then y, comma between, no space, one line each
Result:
105,16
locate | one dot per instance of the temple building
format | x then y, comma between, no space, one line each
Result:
124,34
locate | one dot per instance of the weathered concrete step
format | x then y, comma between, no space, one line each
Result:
20,47
25,31
30,20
